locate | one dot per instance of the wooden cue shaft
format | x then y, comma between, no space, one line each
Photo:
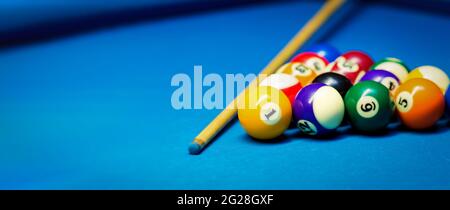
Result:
294,44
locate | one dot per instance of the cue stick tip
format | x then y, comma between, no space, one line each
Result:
195,148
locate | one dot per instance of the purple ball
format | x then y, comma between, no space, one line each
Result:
388,79
447,99
318,109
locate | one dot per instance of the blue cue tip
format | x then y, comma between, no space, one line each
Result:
194,149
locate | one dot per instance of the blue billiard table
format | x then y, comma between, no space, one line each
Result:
85,96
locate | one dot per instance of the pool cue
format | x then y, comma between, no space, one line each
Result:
294,44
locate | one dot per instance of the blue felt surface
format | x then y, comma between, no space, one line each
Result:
16,14
92,110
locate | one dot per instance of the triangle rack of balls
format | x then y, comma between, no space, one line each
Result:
321,89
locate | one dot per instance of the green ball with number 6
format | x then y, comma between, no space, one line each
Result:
369,106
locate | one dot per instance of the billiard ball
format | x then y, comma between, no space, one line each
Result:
447,102
388,79
352,64
369,106
420,103
335,80
325,51
312,60
303,73
264,112
447,98
431,73
284,82
393,65
318,109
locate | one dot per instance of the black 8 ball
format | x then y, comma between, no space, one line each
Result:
335,80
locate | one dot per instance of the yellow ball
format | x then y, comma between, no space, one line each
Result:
434,74
264,112
303,73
